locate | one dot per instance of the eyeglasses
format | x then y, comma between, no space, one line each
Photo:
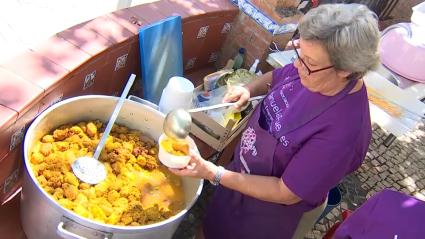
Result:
309,71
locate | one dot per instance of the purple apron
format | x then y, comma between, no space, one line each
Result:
388,214
234,215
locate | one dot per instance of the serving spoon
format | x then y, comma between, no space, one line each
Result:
177,122
89,169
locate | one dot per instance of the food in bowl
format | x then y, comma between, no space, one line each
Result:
175,147
138,190
175,153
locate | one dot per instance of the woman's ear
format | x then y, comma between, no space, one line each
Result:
343,74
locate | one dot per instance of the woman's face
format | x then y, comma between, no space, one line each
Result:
315,57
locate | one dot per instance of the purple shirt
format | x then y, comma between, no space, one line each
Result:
388,214
316,156
309,140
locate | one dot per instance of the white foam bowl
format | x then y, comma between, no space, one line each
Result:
174,161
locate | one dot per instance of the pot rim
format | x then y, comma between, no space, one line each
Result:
70,213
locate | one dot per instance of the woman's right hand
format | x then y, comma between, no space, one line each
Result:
237,94
197,167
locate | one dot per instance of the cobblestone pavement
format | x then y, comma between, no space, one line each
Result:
400,166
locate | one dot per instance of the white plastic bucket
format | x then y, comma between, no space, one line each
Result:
177,94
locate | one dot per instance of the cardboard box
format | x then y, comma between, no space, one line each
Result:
214,134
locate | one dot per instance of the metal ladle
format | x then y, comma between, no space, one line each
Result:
177,122
89,169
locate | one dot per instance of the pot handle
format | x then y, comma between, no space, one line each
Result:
64,233
143,102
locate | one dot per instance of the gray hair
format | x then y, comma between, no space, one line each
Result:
348,31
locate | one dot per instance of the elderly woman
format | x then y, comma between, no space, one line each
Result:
312,129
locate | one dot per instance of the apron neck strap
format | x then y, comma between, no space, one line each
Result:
298,115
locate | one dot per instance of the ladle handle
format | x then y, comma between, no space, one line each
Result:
114,117
223,105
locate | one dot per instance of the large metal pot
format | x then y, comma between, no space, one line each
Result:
43,218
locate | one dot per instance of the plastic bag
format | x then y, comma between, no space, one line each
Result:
210,81
239,77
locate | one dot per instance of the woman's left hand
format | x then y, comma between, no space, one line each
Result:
197,167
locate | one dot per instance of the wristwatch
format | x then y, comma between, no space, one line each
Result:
217,177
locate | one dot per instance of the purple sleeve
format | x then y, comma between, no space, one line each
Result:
355,224
318,166
386,214
279,74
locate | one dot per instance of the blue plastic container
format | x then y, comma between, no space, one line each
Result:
160,55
